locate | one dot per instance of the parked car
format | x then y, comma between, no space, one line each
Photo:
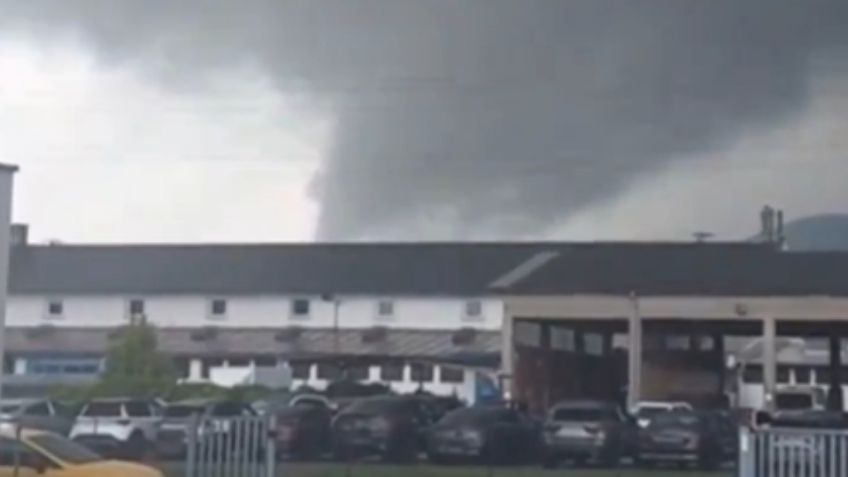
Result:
177,418
485,434
313,400
38,414
583,431
118,427
687,438
303,430
36,452
645,410
391,427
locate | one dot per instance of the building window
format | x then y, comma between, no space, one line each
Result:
803,375
528,334
753,374
218,308
421,373
822,375
392,372
328,372
473,309
136,307
385,309
593,344
208,364
300,370
300,308
678,343
181,366
238,362
265,361
563,339
705,343
357,373
55,308
783,374
452,375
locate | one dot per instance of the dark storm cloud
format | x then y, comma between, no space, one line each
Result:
489,115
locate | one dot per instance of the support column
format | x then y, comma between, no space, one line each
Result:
719,348
634,354
547,356
769,361
195,369
835,399
507,382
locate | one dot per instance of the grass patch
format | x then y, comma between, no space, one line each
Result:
289,469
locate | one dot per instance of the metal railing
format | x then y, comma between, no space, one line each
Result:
793,453
231,447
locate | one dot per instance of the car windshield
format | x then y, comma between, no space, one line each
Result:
309,402
682,419
182,411
9,408
587,414
103,409
389,405
467,416
651,411
64,449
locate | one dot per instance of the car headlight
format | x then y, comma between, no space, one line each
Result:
601,436
472,437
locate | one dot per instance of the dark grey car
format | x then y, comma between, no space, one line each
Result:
582,431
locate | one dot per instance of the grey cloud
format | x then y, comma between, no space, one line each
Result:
495,116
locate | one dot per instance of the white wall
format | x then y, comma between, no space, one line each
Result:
257,311
78,312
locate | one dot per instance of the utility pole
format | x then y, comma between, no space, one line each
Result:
7,173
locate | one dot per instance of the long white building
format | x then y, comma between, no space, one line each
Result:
408,315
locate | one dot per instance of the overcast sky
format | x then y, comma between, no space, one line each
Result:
298,120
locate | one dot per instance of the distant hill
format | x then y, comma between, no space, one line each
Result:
818,232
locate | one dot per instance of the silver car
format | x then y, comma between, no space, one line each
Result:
41,414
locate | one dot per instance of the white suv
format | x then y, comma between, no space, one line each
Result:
125,428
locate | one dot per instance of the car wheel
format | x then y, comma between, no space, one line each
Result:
550,462
341,452
402,450
707,462
610,458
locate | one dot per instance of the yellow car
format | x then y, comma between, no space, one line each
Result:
38,453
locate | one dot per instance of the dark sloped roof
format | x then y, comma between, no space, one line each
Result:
690,271
425,344
366,268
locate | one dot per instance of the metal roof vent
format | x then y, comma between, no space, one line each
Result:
288,335
464,336
207,333
376,334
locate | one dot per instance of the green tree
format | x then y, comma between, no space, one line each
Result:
134,365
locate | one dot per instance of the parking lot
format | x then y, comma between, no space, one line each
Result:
424,470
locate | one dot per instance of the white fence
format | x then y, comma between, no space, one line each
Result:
793,453
231,447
